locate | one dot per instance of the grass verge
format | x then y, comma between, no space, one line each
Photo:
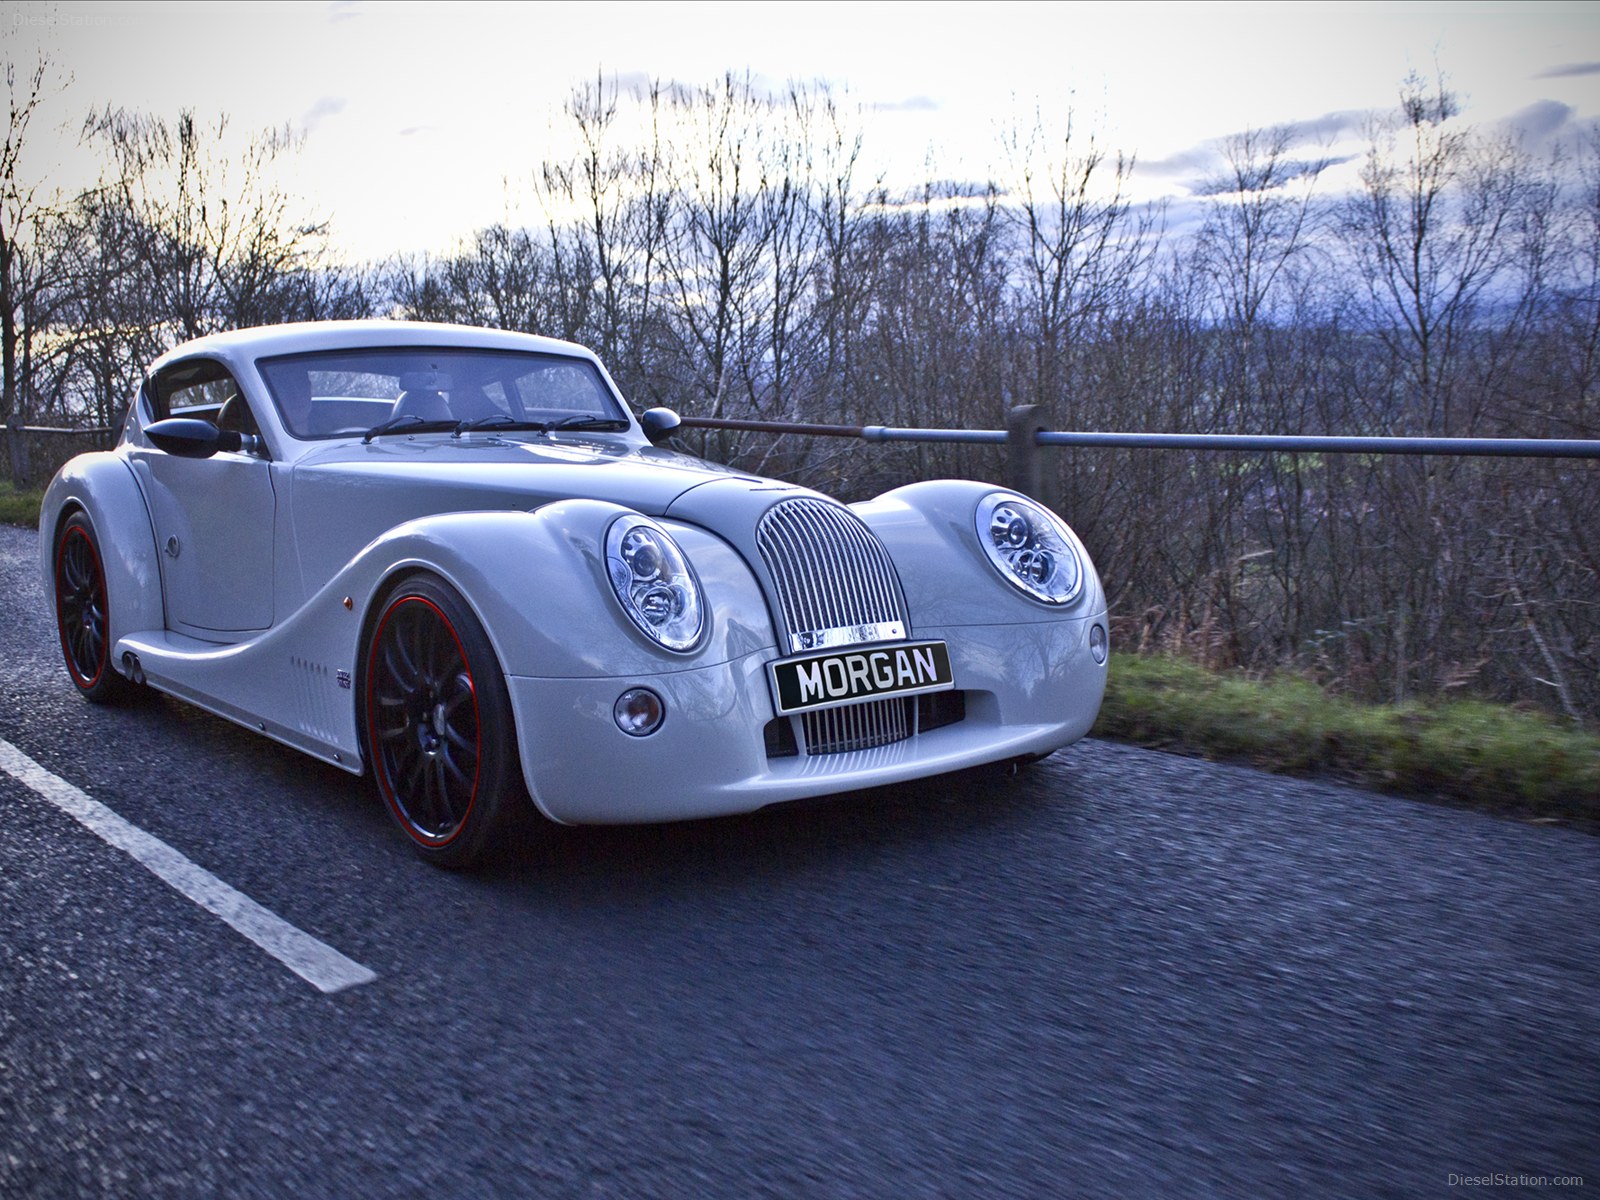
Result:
1486,755
19,508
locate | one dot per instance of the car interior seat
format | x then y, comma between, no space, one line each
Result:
422,402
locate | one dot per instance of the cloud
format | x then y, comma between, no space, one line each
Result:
909,104
1588,68
344,10
1183,216
939,195
1196,167
1325,130
1541,119
327,106
1203,157
1284,171
1329,127
630,83
637,86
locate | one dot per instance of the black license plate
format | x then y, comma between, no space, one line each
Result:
845,676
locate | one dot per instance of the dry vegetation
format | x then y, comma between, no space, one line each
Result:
721,251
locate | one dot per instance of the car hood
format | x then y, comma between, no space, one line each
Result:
504,472
344,496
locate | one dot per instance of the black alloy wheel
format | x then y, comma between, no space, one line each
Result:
439,730
83,614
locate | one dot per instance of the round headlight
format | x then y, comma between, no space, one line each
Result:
653,582
1031,547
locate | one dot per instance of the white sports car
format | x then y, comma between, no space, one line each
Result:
454,558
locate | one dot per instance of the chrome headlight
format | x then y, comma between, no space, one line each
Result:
1031,547
653,582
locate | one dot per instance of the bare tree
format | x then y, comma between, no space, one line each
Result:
714,250
1427,228
604,209
1431,232
221,242
1082,246
1258,233
21,213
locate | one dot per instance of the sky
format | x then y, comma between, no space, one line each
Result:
422,122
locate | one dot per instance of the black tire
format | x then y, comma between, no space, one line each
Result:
83,614
438,726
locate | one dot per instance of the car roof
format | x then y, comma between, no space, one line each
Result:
241,345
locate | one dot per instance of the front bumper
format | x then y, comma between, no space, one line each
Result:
1030,689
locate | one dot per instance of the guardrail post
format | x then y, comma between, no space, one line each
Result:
17,458
1022,451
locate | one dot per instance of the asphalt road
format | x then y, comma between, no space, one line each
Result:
1119,974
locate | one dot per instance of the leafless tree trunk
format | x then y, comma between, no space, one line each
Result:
19,215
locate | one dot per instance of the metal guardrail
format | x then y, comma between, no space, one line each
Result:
86,431
30,454
1284,443
1024,436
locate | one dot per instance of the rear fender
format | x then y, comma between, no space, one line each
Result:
103,487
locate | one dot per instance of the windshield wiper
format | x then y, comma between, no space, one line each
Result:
584,421
410,423
499,421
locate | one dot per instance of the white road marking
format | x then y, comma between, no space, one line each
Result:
319,964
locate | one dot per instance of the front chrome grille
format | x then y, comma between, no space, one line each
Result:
834,581
859,726
872,725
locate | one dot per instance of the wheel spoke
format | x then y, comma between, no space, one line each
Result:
423,719
402,670
449,760
444,814
454,737
441,655
74,566
80,606
412,768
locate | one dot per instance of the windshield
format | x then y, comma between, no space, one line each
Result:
348,392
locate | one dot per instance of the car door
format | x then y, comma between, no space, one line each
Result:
214,517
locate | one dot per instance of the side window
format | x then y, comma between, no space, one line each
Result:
205,390
193,389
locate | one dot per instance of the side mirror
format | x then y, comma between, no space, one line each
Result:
659,424
189,437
